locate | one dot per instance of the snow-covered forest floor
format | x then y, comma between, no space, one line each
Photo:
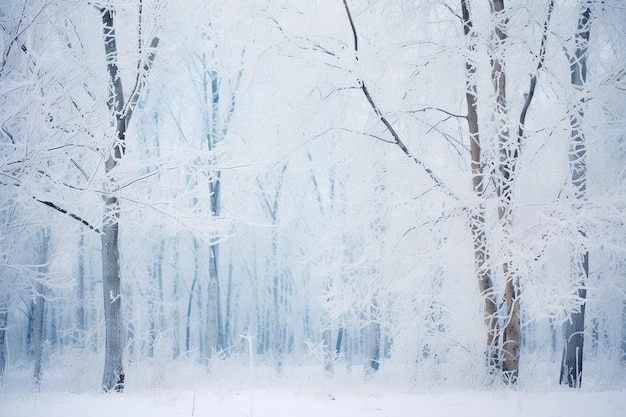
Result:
275,402
229,390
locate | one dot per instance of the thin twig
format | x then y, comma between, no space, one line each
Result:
458,116
140,81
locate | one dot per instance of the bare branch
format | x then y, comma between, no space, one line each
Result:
72,215
533,78
140,81
356,38
459,116
396,138
19,33
233,97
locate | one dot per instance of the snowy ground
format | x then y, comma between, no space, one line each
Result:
71,390
288,403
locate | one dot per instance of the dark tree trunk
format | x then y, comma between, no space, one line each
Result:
572,361
374,338
339,341
4,353
373,346
113,376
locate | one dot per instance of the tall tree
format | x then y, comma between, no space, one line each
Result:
508,153
274,314
216,129
477,218
572,360
121,110
509,146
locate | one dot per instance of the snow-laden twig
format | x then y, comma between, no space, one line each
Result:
396,137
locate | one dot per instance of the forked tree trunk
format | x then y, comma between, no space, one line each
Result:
508,149
508,156
477,219
572,361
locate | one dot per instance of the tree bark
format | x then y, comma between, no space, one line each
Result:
508,149
477,218
113,376
80,291
121,111
4,321
508,155
572,360
190,299
39,305
373,338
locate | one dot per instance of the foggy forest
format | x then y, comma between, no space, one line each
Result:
429,192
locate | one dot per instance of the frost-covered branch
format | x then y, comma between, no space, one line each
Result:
533,78
396,138
72,215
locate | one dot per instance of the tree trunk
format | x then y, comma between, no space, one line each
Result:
39,305
572,361
373,337
477,219
373,346
228,315
326,349
339,341
80,291
4,321
121,111
189,305
214,316
215,319
508,149
113,376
